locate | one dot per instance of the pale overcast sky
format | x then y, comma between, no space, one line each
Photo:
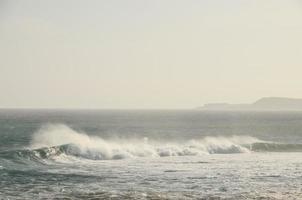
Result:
148,53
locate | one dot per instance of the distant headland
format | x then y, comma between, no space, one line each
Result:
263,104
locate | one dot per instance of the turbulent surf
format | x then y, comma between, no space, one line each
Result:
149,155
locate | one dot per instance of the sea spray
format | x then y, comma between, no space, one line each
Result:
161,155
79,144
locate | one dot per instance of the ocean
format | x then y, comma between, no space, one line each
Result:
150,154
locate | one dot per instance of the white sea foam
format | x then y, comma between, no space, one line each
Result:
92,147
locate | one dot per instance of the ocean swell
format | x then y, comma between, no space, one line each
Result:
60,139
52,141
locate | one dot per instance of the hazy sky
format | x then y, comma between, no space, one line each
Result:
148,53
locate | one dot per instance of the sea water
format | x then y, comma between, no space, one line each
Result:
155,154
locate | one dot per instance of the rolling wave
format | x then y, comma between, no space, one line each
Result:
275,147
56,140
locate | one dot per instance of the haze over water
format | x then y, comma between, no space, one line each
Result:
97,98
148,54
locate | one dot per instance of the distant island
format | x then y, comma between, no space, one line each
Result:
263,104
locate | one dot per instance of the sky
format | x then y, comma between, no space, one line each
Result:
148,54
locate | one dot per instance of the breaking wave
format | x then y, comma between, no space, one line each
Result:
56,140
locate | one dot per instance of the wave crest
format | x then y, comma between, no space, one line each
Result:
53,140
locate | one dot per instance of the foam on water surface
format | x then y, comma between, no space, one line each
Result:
56,139
150,155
